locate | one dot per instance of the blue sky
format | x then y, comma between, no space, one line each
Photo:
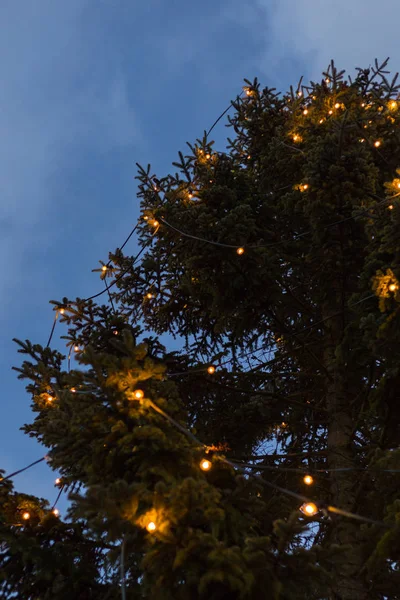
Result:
89,88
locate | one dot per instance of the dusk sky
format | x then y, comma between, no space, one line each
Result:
90,87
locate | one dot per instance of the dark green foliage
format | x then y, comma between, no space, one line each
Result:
304,330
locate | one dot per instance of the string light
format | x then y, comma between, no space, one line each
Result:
240,251
305,111
377,144
26,516
138,394
57,481
205,465
296,138
392,287
211,369
50,398
55,512
151,526
149,295
76,348
390,207
308,480
393,105
73,390
309,508
62,311
104,268
337,105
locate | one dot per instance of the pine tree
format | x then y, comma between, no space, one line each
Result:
277,264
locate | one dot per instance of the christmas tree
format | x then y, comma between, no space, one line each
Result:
261,460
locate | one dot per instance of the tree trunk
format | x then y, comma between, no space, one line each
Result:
349,585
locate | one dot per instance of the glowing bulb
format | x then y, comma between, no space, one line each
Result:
26,516
393,105
205,465
303,187
392,287
390,207
76,348
208,156
190,195
62,311
248,157
327,80
308,480
57,481
55,512
299,93
50,398
211,369
283,424
321,121
149,295
104,268
362,104
398,185
138,394
309,508
146,218
362,140
330,112
73,390
377,144
337,105
305,112
155,223
151,526
296,138
240,251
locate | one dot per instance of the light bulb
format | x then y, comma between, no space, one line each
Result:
305,112
146,218
308,480
309,508
104,268
76,348
337,105
208,156
205,465
240,251
392,287
190,195
57,481
73,390
149,295
26,516
50,398
377,144
55,512
321,121
296,138
151,526
330,112
155,223
211,369
390,207
393,104
138,394
62,311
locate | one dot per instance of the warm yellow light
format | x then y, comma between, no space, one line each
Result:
248,157
151,526
240,250
205,465
308,480
146,218
26,516
299,93
73,390
327,80
104,268
377,144
337,105
330,112
50,398
55,512
321,121
211,369
398,185
138,394
296,138
309,508
362,140
62,311
155,223
76,348
392,287
393,105
283,424
362,104
208,156
190,195
390,207
149,295
57,481
305,112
